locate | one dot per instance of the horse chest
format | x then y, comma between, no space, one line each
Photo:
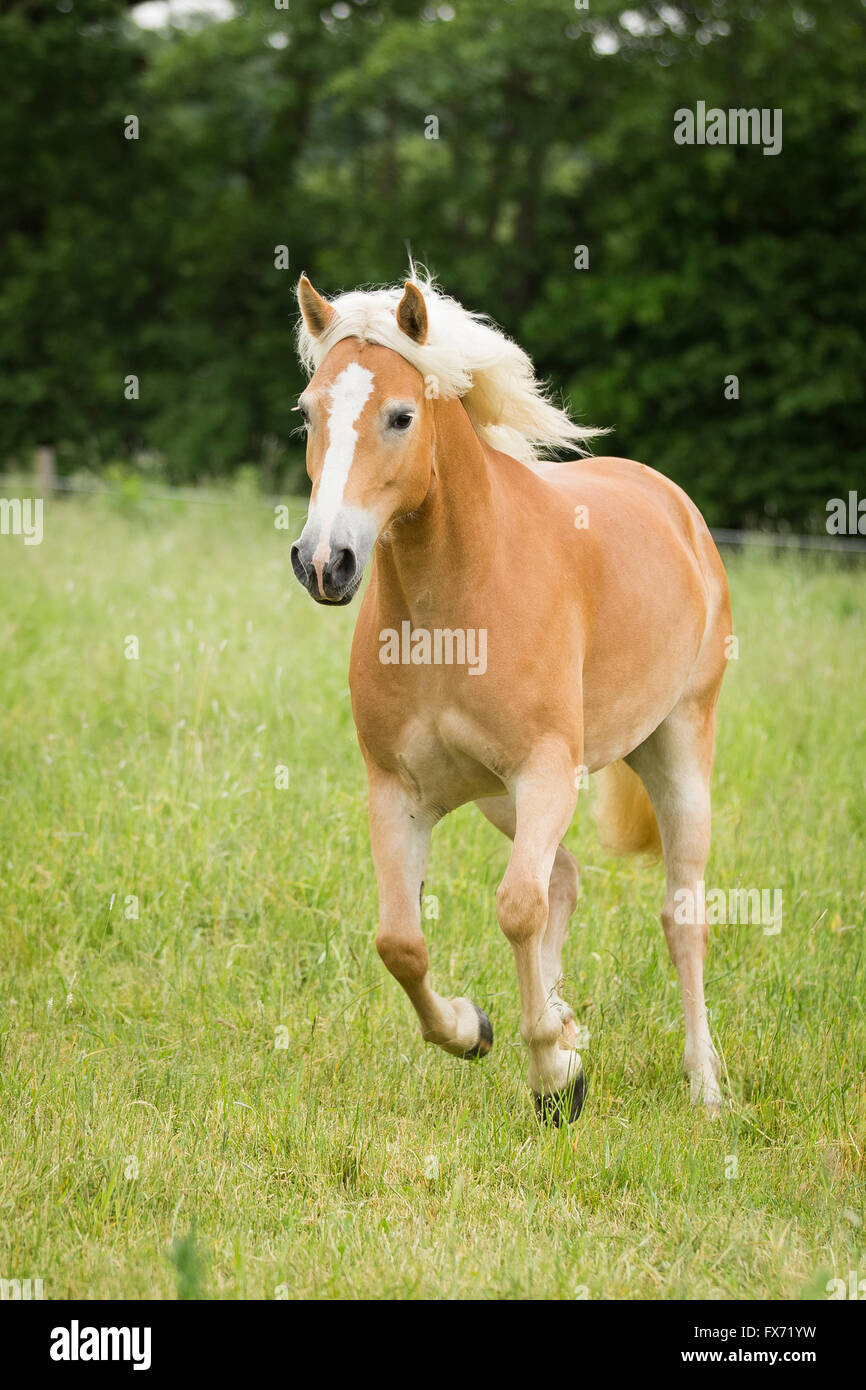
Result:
445,756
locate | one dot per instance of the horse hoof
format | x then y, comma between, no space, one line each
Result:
563,1107
485,1039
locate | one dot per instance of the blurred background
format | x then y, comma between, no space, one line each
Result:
280,136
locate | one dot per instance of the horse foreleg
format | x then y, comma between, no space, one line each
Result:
562,900
544,802
400,830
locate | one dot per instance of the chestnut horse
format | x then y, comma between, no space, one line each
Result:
525,623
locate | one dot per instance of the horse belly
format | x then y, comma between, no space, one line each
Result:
632,681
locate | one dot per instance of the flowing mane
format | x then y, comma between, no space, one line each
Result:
465,355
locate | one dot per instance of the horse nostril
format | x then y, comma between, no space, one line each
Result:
341,571
298,564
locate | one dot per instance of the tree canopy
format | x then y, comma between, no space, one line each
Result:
714,319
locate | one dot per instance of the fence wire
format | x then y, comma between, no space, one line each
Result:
774,540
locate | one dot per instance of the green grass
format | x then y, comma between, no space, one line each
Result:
149,1045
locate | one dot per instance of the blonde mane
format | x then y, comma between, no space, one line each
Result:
465,355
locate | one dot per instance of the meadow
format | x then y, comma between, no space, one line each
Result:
210,1087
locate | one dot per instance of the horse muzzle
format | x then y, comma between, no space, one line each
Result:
336,582
330,562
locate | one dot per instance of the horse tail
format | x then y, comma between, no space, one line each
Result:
624,814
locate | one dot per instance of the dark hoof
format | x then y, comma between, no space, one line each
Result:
564,1106
485,1040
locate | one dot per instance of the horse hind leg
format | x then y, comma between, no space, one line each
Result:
674,765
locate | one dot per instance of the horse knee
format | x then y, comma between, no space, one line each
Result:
521,907
404,952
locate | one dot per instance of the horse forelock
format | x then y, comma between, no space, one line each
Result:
464,355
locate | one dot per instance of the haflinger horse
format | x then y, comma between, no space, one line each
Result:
595,603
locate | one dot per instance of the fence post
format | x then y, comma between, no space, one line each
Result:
46,468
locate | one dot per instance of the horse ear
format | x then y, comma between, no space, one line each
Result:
317,311
412,313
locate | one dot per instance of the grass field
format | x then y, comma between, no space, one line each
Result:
227,1096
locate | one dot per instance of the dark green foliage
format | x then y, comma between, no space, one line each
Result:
155,257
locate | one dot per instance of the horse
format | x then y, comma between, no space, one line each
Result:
597,596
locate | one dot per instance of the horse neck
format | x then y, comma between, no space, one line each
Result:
443,550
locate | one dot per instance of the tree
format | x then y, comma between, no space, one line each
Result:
493,137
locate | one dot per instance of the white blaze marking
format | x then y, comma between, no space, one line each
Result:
349,395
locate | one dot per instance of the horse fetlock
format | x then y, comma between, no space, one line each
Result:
704,1090
553,1069
460,1028
541,1030
702,1057
703,1071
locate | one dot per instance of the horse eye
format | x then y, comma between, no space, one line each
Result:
402,421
